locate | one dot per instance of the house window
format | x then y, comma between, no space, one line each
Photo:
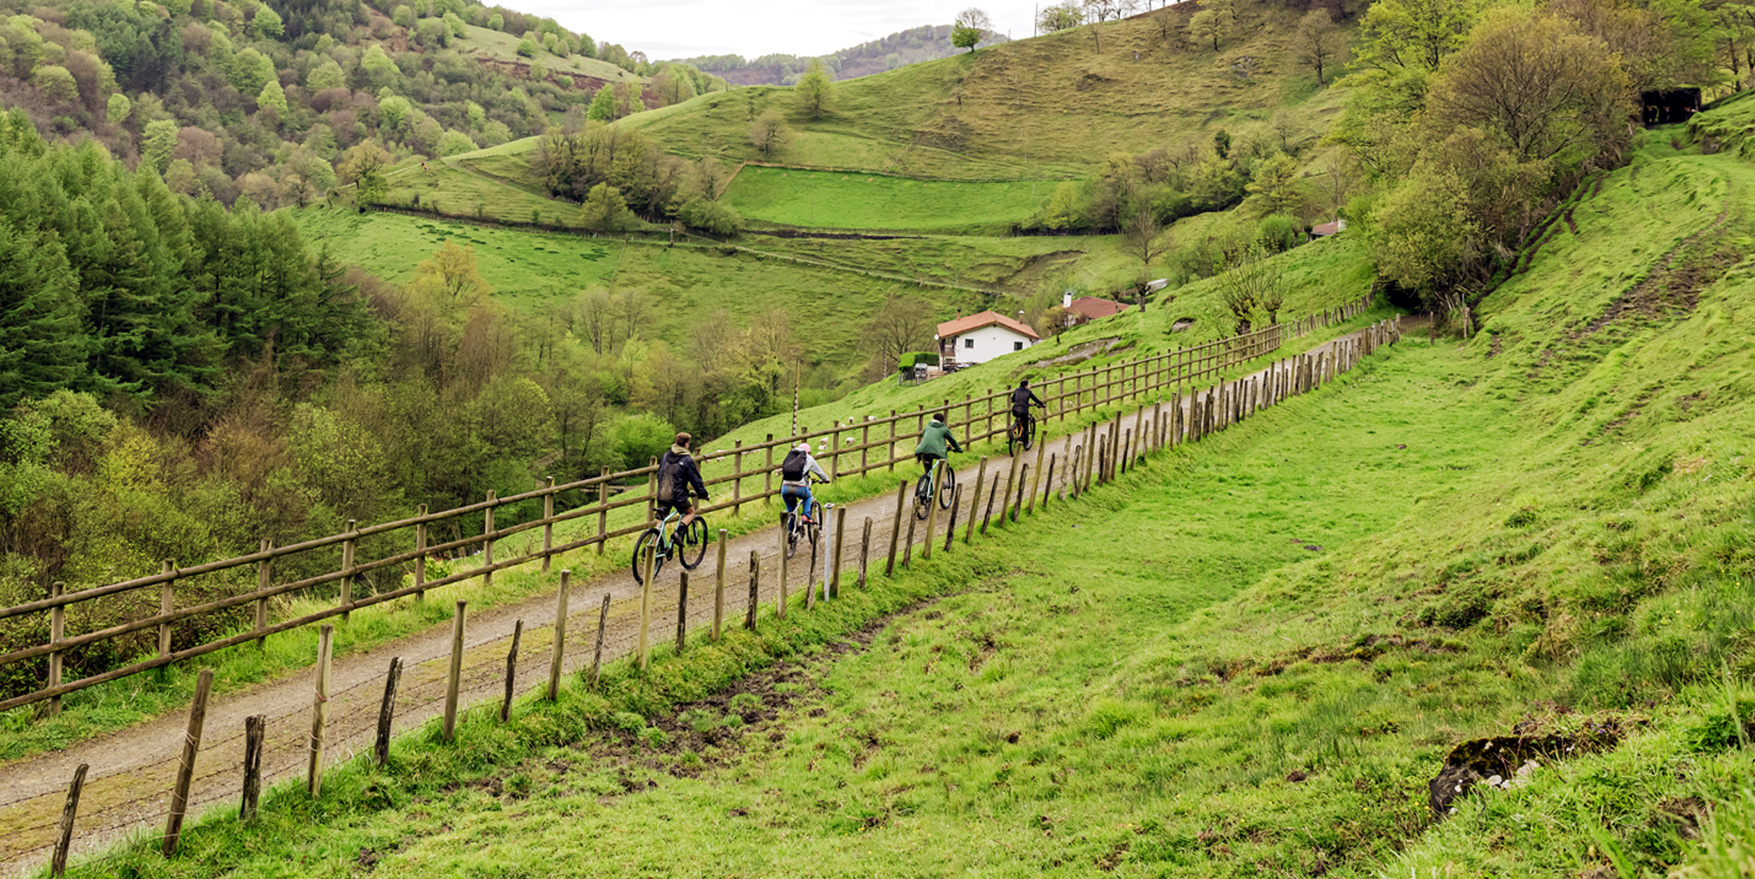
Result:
1017,346
968,343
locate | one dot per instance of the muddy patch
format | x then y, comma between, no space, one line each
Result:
1503,762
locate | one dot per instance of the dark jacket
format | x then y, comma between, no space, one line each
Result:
1023,397
678,467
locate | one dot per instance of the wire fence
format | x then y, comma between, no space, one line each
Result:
131,801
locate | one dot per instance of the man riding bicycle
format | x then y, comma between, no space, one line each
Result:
1022,397
933,441
677,476
795,480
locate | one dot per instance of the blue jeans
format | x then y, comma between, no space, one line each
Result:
793,495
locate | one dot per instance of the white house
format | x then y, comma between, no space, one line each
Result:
979,338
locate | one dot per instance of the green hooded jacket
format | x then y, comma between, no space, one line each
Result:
934,439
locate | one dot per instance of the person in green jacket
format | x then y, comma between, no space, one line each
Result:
933,441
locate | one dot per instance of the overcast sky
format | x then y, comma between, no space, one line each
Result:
684,28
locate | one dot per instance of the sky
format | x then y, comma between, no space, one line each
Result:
665,29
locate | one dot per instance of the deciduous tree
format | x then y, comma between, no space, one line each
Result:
1317,43
970,26
815,91
769,133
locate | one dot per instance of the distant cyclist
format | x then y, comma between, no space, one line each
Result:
795,479
933,441
1022,398
678,477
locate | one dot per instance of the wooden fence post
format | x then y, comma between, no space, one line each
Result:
647,564
737,477
1041,449
896,529
1048,479
560,645
840,535
1072,472
987,516
602,508
768,471
166,603
186,768
453,678
980,477
597,655
64,839
255,731
749,619
548,524
420,561
835,452
866,548
1023,484
511,672
652,489
320,711
387,711
719,590
264,578
956,506
931,524
865,445
785,575
890,450
908,543
1011,480
57,631
487,543
682,613
347,550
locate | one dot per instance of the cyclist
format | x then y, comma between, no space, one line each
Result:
933,441
677,478
1022,397
795,480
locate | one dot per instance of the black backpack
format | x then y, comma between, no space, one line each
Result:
669,477
793,467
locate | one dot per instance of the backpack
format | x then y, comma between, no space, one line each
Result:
793,467
669,473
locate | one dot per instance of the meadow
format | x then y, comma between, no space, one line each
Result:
826,199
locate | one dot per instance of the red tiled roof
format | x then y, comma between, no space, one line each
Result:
985,318
1322,229
1092,308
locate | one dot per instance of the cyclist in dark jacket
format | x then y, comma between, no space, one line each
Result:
1022,397
933,441
677,477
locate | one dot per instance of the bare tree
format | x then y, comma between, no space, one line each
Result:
901,324
1142,237
769,133
1317,43
1249,278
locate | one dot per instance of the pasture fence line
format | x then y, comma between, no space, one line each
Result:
1101,452
625,500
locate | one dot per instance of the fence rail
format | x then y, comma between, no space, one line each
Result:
747,470
1096,454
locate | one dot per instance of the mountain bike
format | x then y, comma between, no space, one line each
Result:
804,528
671,543
1021,432
940,480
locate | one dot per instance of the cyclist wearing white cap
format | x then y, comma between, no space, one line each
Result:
795,479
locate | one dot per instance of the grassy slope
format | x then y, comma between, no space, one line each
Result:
823,198
480,42
1548,523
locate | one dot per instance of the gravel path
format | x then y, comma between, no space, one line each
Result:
127,787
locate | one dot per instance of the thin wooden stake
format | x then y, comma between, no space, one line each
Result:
1047,478
682,613
511,672
988,515
560,644
864,551
387,711
956,506
166,604
57,631
597,655
840,535
931,524
908,545
186,768
896,528
785,576
264,578
719,590
64,839
320,710
454,679
1023,485
645,651
255,732
420,561
548,524
347,550
980,478
749,619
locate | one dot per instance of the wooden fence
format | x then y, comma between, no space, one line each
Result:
743,474
1099,453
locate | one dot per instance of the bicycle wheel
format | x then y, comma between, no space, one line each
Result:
694,546
648,538
947,486
1013,437
1030,435
922,497
794,529
815,529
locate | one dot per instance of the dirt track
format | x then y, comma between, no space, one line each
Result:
127,788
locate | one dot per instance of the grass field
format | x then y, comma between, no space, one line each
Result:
498,46
828,199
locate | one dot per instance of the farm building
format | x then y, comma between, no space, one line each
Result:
979,338
1088,308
